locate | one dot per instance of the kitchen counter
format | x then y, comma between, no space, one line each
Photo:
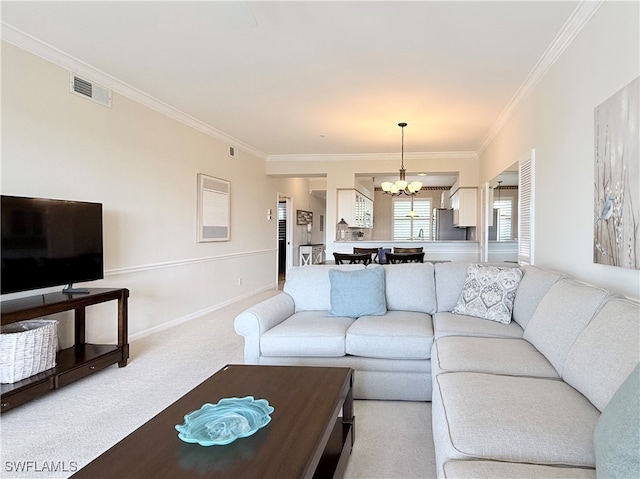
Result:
433,250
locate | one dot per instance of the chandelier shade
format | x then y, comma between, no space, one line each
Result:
401,186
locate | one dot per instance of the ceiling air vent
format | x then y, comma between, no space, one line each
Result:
90,90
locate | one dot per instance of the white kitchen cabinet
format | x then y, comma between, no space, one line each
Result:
464,204
355,208
368,212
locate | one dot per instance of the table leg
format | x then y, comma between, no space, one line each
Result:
123,329
79,315
347,411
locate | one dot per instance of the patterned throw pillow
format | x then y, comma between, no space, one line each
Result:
489,292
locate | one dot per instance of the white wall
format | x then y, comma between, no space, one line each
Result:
143,167
557,119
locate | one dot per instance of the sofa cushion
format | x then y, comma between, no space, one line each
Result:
396,335
308,333
533,286
309,286
517,419
511,470
450,279
488,292
561,315
605,352
513,357
617,434
357,293
449,324
411,287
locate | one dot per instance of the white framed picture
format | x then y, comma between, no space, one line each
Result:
214,209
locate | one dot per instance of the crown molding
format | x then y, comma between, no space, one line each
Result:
432,155
578,19
37,47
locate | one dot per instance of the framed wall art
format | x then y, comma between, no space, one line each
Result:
304,217
616,215
214,209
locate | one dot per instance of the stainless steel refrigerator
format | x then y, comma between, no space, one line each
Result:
444,226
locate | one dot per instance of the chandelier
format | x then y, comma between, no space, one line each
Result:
401,186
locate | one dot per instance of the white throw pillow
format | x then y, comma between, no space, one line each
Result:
489,292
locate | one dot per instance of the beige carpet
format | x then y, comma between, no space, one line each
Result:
55,435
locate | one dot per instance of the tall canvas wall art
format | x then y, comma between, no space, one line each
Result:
617,179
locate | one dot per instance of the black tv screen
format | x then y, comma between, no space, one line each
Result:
48,242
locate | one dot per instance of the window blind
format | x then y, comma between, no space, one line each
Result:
526,209
409,228
505,207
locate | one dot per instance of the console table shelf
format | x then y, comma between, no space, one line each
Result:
72,363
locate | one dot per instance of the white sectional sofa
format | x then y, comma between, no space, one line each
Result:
390,354
530,398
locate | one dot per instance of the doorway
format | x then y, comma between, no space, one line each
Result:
284,255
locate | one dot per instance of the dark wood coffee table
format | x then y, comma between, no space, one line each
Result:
306,438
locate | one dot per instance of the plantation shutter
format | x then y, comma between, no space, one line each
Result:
406,227
504,206
401,223
282,220
526,176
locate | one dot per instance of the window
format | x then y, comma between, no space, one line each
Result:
504,207
408,228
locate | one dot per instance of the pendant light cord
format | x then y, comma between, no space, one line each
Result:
402,125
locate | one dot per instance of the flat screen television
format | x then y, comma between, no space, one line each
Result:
47,242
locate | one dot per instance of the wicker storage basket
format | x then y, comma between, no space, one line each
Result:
27,348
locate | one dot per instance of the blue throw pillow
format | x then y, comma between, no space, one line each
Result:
617,435
357,293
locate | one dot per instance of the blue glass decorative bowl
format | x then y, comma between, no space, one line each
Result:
224,422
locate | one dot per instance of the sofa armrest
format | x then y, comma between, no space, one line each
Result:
253,322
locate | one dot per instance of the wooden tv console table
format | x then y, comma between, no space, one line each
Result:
76,362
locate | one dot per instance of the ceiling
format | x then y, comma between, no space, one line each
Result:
308,78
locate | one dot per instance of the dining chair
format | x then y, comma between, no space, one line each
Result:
372,251
395,258
408,250
347,258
